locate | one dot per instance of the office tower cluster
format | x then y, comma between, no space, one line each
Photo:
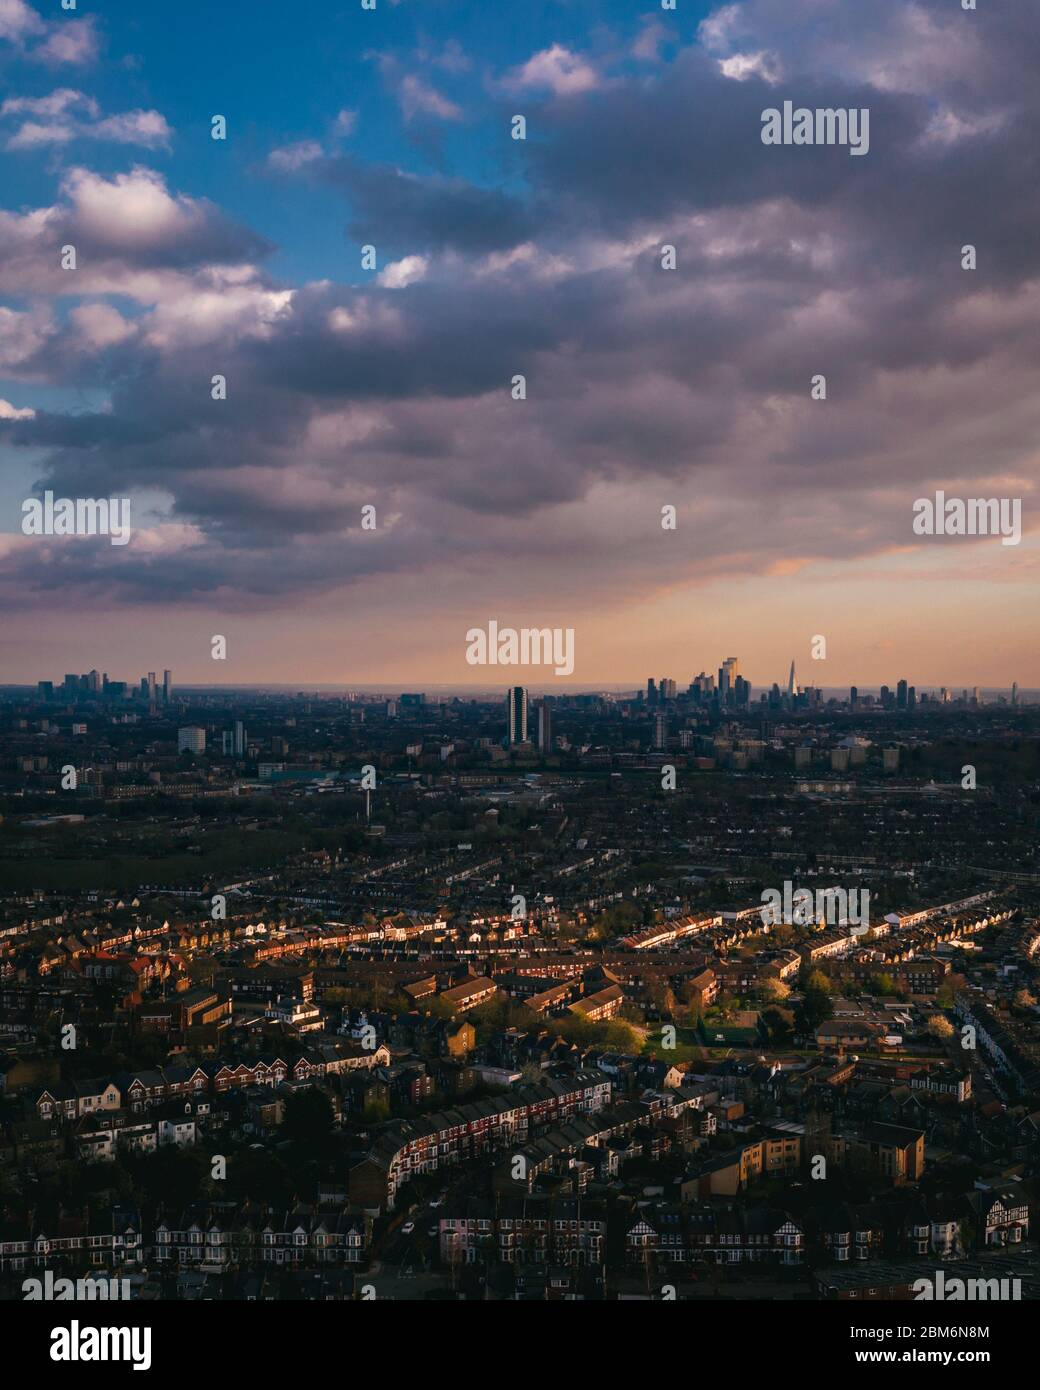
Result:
729,689
904,697
95,685
233,742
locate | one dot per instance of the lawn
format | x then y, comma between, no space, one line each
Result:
686,1049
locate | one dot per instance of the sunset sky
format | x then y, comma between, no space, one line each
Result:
646,387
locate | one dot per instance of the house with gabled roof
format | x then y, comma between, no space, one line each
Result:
1001,1213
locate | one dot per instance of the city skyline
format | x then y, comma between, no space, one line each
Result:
100,682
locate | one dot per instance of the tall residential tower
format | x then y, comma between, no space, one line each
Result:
516,714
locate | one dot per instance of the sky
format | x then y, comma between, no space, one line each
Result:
391,386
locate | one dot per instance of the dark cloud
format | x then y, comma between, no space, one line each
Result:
399,210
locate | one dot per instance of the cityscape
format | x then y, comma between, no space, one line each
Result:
519,674
464,997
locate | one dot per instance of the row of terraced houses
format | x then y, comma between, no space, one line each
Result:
208,1236
141,1089
409,1148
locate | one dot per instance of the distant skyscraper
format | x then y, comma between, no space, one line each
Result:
660,732
853,696
901,689
151,686
725,682
792,684
651,691
545,727
516,714
167,687
240,739
1014,692
191,740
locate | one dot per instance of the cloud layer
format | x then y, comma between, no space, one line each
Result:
645,386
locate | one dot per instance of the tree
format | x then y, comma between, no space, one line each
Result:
949,989
260,1176
619,1036
309,1116
772,991
940,1027
815,1008
780,1023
